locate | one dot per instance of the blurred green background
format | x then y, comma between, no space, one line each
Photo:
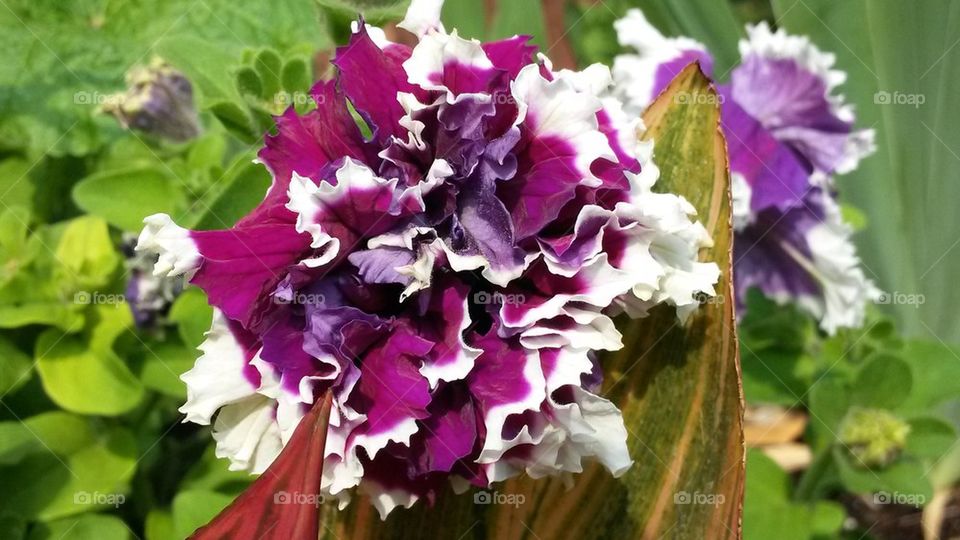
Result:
91,444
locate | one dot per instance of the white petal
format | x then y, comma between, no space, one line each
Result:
217,378
247,433
558,110
178,252
422,17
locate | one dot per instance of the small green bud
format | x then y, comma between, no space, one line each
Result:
874,436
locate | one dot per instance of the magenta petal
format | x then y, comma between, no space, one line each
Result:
371,79
449,434
391,387
510,54
498,378
546,180
308,144
240,267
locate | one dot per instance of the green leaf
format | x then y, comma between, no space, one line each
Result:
16,441
235,119
906,476
124,197
54,313
193,315
930,438
768,511
935,371
86,254
268,66
13,527
829,403
165,361
159,526
249,84
207,67
78,470
296,76
85,527
16,189
207,152
88,377
211,473
774,375
244,185
15,367
884,383
192,509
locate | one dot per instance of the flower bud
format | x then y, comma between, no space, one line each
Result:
875,437
158,101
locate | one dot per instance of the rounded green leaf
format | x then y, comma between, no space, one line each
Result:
235,119
124,197
15,367
75,470
193,316
159,526
883,383
163,365
296,76
930,437
245,185
85,527
84,380
268,66
248,83
192,509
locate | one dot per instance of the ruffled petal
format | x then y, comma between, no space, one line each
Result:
806,256
223,374
247,434
561,141
787,84
641,76
308,144
375,97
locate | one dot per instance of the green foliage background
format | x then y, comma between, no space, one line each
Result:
90,440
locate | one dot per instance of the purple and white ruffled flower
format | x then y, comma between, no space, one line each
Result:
450,278
788,133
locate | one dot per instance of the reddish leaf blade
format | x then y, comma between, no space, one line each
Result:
283,502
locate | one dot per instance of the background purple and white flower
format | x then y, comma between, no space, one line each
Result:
450,278
788,133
